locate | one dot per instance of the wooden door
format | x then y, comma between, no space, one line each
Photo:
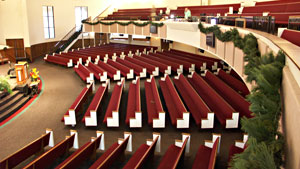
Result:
18,45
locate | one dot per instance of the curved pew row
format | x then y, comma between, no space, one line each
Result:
223,111
211,63
59,60
151,69
27,151
134,110
125,71
238,147
84,152
187,66
156,114
201,113
69,117
180,117
138,70
175,152
57,151
144,152
177,68
207,153
237,102
199,65
111,118
84,73
236,84
112,72
90,116
114,151
75,59
99,73
163,68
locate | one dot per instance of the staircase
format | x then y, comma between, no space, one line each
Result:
11,103
66,41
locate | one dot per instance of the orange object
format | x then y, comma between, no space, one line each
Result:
21,72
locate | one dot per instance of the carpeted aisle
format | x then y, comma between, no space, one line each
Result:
62,86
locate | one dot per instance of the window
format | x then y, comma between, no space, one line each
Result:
48,22
81,13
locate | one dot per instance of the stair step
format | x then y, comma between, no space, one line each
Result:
14,108
8,98
11,103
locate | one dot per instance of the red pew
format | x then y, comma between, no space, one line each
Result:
180,117
178,68
90,116
207,154
84,73
125,71
70,116
27,151
99,73
151,69
144,152
175,152
238,147
201,113
59,60
58,150
237,85
223,111
138,70
237,102
201,65
84,152
163,68
156,114
134,112
114,151
187,66
112,72
112,112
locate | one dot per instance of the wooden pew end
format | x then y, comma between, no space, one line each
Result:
184,121
234,121
76,143
51,138
208,123
210,143
179,143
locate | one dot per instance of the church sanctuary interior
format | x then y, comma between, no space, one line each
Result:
143,84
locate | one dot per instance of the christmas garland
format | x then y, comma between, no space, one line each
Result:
265,144
140,24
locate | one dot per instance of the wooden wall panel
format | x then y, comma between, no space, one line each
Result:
121,29
229,53
41,49
138,30
130,29
146,30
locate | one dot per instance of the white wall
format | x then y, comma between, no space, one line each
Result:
24,19
12,20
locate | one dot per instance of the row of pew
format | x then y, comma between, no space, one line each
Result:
111,50
141,64
204,159
281,10
206,96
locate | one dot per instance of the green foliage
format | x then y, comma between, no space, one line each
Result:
140,24
258,156
265,145
4,85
